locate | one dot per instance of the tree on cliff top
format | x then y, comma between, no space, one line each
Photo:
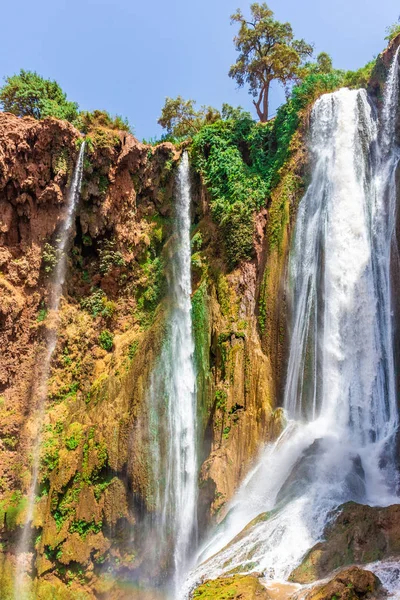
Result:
180,118
29,94
267,52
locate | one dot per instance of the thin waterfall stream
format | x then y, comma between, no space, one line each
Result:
172,399
55,294
340,396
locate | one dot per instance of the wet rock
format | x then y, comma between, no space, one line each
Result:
243,587
358,534
351,584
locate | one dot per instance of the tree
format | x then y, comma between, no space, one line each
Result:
180,118
29,94
393,30
267,52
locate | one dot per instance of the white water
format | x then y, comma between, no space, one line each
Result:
55,293
340,389
173,397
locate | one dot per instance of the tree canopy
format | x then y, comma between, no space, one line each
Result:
393,30
180,118
268,51
29,94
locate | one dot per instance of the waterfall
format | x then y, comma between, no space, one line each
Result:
172,400
340,397
55,293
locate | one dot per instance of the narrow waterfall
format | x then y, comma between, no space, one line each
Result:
340,398
173,403
55,293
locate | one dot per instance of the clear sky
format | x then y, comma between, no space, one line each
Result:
126,56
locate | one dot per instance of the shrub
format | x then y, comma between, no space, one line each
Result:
97,304
110,257
49,257
106,340
88,121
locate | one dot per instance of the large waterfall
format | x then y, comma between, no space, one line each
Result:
340,396
173,403
55,293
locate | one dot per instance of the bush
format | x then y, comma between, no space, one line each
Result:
89,121
30,95
106,340
97,304
49,257
393,31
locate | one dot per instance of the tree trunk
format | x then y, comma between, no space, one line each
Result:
262,111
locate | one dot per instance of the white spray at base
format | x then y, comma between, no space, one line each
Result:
340,389
172,396
55,293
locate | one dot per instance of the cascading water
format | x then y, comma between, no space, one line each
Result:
340,392
55,293
172,400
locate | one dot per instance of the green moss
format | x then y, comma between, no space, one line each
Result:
245,587
74,436
60,162
14,509
223,294
263,300
42,315
83,528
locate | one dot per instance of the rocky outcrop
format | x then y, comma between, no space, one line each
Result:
245,587
358,534
349,584
96,484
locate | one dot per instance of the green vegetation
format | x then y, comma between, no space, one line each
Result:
49,257
88,121
109,257
30,95
42,314
267,52
106,340
97,304
83,528
241,162
74,436
180,118
150,287
393,31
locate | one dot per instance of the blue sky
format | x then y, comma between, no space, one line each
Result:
126,56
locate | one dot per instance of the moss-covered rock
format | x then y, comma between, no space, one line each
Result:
243,587
358,534
349,584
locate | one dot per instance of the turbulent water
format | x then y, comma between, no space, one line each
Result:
340,397
173,400
55,293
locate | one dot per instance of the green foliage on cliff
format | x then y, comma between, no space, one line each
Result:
359,78
240,162
89,121
393,31
106,340
30,95
180,118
